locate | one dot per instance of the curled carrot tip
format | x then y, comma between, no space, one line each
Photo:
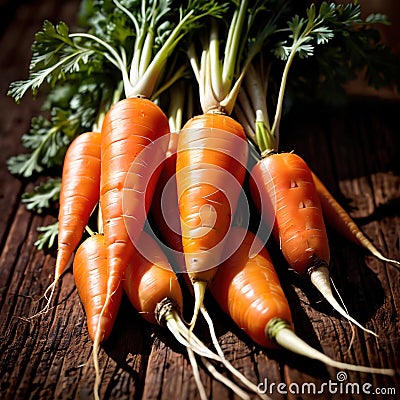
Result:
319,276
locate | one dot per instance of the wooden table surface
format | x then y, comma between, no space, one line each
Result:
355,150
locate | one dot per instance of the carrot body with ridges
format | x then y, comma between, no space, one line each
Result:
79,194
299,226
284,183
147,282
129,176
247,288
211,162
90,274
211,166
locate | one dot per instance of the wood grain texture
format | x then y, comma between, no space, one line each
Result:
354,150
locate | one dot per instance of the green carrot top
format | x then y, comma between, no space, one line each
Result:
226,51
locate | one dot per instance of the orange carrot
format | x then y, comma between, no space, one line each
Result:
283,188
148,282
91,277
235,290
299,226
247,288
341,221
79,194
129,175
211,160
90,266
80,184
130,159
153,289
284,182
212,151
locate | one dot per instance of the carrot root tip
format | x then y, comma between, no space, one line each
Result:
320,278
96,348
286,338
48,297
199,288
381,257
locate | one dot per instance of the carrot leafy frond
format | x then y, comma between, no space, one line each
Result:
43,195
69,109
47,236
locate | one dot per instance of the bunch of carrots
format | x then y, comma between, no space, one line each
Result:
163,170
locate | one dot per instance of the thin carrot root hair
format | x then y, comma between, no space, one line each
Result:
95,350
223,379
48,298
353,332
193,344
319,276
98,338
166,314
196,374
226,363
365,242
280,331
